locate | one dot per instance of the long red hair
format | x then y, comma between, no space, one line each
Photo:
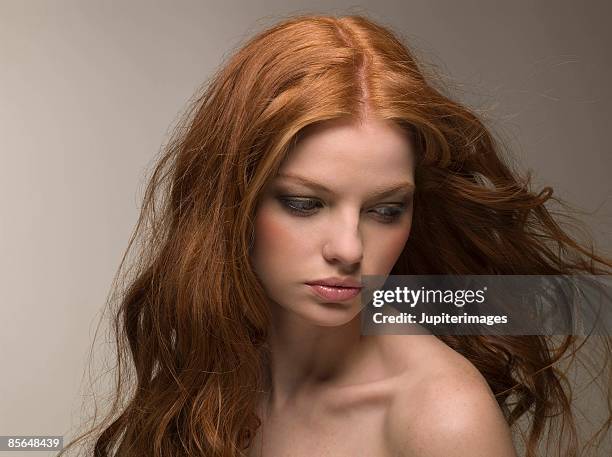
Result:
190,317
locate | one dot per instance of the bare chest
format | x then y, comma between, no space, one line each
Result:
353,432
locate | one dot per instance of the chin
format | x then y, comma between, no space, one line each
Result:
330,314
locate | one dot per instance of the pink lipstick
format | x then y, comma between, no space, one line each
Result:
335,293
337,289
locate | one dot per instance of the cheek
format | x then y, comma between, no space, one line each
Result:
276,243
385,249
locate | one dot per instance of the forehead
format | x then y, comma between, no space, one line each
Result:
343,151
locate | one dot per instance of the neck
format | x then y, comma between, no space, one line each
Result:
305,356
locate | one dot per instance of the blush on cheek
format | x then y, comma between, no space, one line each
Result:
273,234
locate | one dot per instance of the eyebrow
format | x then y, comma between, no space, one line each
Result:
378,193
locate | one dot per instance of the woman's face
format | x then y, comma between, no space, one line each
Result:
340,207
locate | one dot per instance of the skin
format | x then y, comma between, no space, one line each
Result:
335,392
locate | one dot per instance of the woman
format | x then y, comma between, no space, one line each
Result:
318,154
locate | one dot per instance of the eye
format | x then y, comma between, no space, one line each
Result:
307,206
300,206
389,214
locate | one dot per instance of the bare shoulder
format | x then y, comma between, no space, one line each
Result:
448,409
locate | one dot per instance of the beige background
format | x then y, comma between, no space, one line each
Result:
88,91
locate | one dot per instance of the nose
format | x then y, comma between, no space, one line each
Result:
344,244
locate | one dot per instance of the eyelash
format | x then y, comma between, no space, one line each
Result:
287,203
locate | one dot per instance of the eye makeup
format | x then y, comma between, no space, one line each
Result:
385,213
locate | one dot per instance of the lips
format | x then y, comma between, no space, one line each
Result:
335,293
337,282
337,289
